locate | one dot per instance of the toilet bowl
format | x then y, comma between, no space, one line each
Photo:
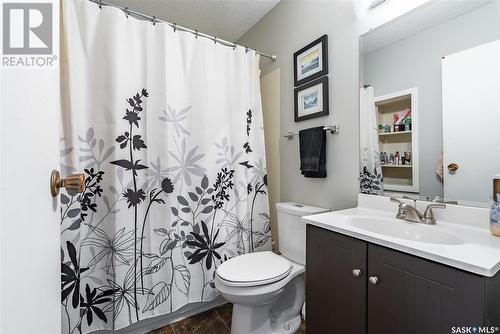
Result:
266,289
260,304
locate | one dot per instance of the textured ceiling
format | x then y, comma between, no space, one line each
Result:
226,19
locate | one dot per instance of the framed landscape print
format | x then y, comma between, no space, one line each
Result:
311,61
311,100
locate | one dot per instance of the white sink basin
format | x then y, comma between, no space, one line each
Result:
403,230
461,238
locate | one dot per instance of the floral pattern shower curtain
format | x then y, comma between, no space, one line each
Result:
168,130
371,180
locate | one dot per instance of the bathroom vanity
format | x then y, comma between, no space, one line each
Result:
367,272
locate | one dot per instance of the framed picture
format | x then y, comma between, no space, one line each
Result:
311,100
311,61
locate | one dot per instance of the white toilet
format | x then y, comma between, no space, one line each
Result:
267,290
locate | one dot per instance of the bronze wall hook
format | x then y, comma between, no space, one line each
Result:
73,183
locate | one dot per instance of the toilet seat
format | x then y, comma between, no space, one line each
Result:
254,269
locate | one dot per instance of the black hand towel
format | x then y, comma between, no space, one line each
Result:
312,144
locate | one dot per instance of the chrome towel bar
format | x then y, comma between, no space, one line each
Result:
334,130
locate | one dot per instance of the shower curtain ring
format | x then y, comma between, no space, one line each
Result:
235,46
246,49
154,20
100,4
126,12
196,34
175,27
215,39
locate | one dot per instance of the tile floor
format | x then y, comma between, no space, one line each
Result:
215,321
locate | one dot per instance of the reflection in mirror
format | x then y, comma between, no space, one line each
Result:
430,103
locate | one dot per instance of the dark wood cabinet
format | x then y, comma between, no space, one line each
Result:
395,292
416,296
332,291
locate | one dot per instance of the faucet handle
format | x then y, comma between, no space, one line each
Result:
402,210
435,206
429,215
410,197
438,199
395,200
414,199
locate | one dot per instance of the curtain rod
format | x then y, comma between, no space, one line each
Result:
176,27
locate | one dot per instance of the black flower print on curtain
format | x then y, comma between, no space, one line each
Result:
172,147
371,180
107,271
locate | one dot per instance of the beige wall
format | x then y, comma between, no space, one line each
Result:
270,92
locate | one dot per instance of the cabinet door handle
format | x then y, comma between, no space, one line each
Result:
373,280
356,272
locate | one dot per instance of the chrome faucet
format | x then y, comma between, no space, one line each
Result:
409,212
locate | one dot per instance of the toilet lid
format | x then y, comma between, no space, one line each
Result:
254,269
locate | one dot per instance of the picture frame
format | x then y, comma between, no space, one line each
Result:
311,100
311,62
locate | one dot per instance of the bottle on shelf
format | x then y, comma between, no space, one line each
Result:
495,207
408,158
407,124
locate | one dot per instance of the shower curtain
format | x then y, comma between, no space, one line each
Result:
371,180
168,130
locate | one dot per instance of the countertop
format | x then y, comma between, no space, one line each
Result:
477,251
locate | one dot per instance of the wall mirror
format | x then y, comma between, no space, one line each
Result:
430,103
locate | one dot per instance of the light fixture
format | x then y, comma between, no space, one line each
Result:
375,3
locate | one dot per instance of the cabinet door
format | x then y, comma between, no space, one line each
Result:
335,298
417,296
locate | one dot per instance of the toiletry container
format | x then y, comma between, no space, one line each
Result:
495,207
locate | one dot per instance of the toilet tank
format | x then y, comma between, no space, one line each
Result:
292,231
